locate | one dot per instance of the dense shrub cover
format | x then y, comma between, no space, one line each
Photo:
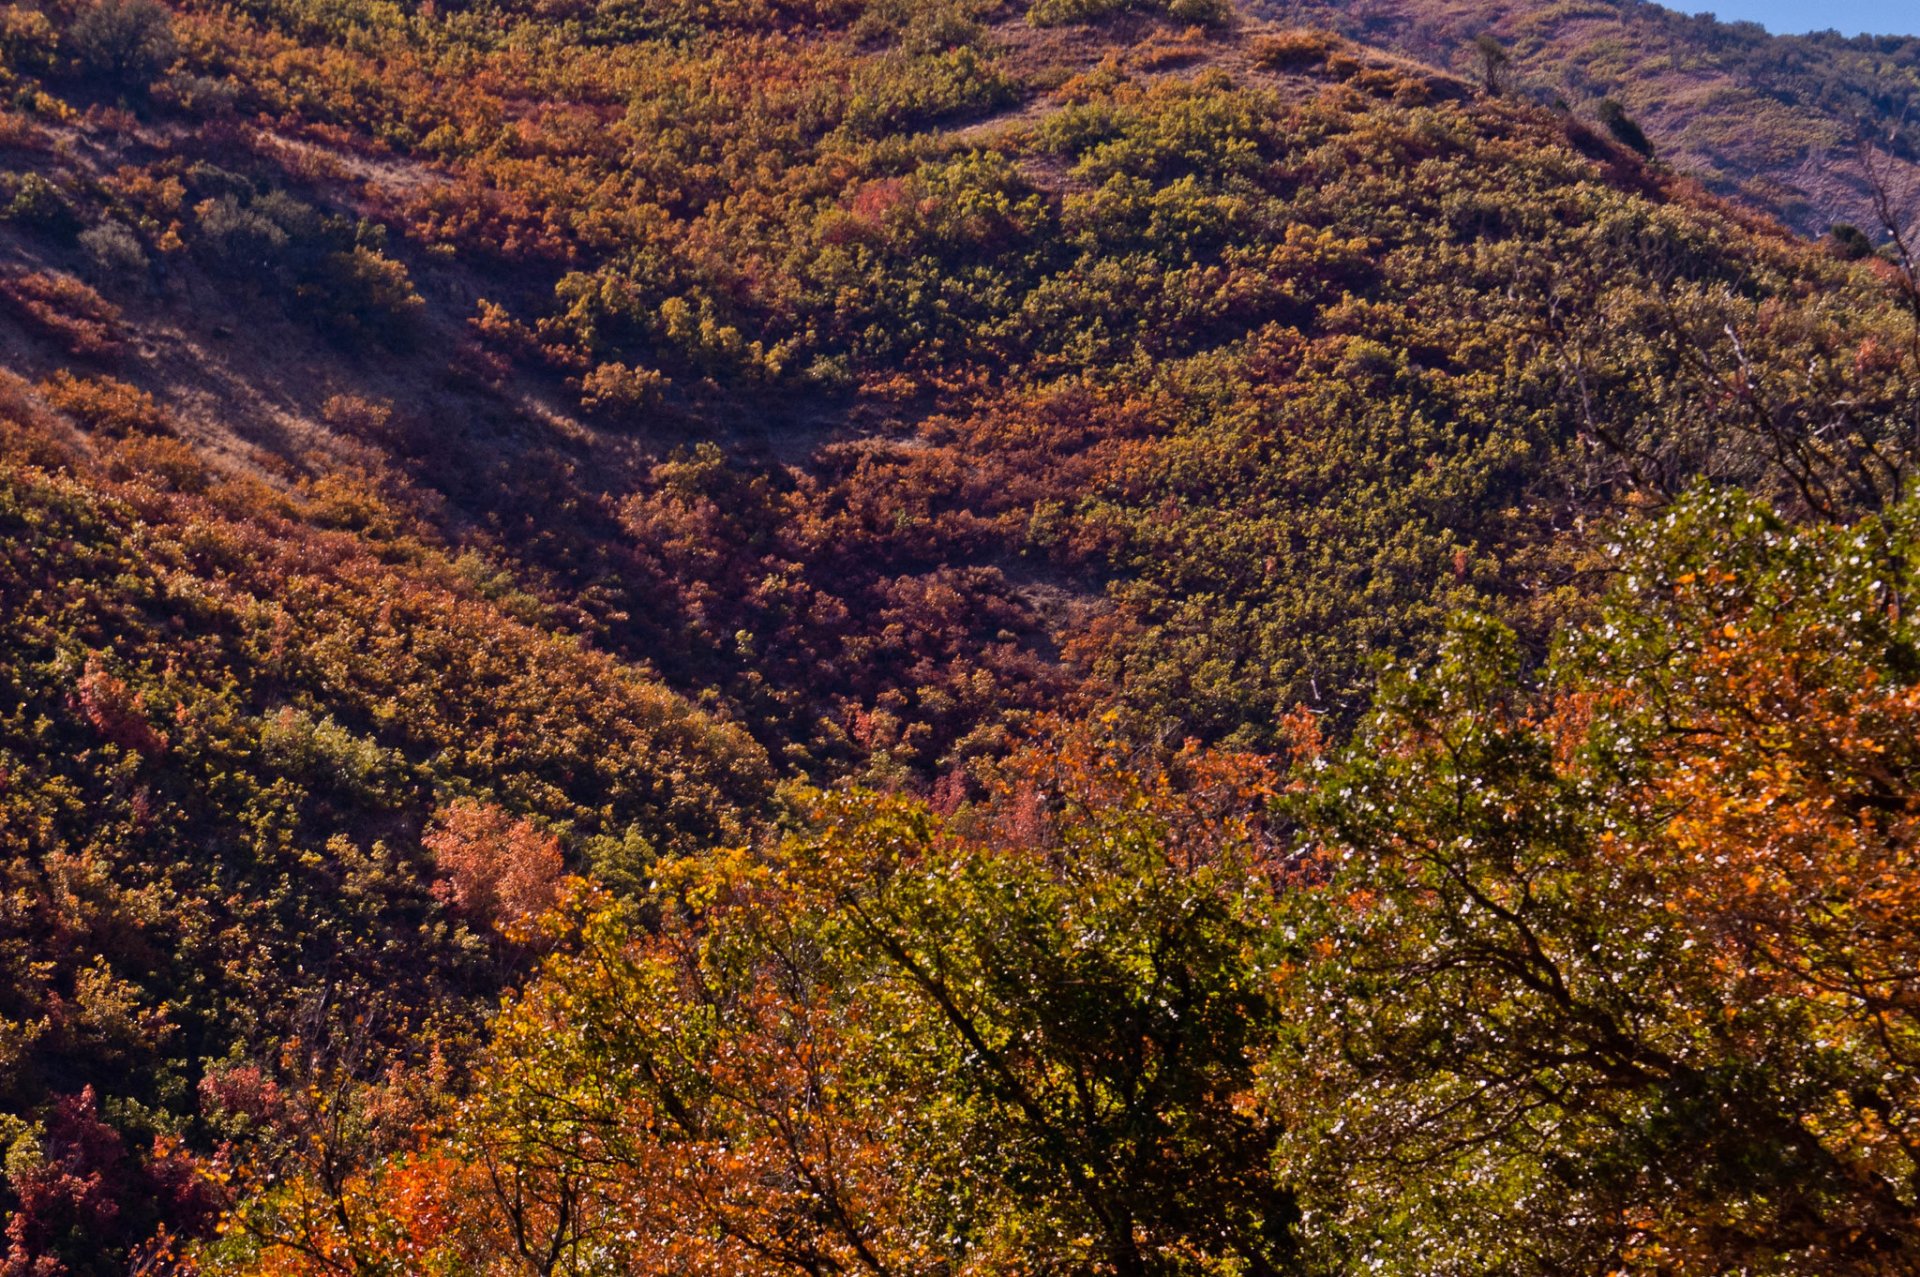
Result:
1214,376
612,505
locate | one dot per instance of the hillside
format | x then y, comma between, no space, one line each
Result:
1797,125
862,440
561,557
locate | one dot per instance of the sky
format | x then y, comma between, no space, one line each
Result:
1791,17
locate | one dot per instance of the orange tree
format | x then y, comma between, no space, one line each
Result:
1619,975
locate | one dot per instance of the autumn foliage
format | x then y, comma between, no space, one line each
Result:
499,870
1605,970
930,637
1618,967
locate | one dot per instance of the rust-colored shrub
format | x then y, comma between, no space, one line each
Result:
105,405
116,711
1294,50
499,870
65,310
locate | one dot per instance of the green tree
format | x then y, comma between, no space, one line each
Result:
1623,127
127,43
1492,63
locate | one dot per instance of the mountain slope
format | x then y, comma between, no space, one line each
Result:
857,294
453,445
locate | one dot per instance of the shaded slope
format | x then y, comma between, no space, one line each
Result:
226,717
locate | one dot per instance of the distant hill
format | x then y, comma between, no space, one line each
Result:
1777,120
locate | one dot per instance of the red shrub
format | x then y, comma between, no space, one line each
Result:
117,712
499,870
63,309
